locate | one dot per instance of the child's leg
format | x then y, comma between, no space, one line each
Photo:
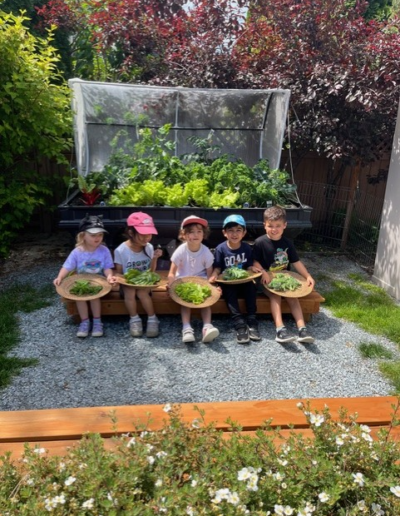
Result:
276,311
249,292
297,312
135,322
209,331
187,330
231,296
97,329
83,311
152,329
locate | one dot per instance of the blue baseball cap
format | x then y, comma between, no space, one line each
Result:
235,219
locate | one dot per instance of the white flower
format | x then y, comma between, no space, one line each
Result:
89,504
233,498
193,483
39,451
339,441
283,462
324,497
281,510
300,404
361,506
149,447
244,474
143,434
221,494
161,454
70,481
377,509
167,407
365,428
196,423
278,476
189,511
316,419
374,456
150,459
50,504
61,466
358,479
158,482
396,491
366,437
131,442
308,509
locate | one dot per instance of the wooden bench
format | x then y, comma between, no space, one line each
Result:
113,304
57,429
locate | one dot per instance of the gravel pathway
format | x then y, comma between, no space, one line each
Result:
119,370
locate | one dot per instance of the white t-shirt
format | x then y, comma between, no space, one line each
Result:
123,255
191,263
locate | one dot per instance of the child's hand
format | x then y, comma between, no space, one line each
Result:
266,277
57,282
111,279
158,253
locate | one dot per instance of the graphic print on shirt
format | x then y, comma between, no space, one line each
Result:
91,267
281,260
140,265
235,260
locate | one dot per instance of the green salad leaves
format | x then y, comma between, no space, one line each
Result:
193,292
135,277
284,282
84,288
234,273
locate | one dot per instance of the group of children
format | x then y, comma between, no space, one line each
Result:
191,258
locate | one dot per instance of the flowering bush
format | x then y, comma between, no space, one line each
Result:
192,469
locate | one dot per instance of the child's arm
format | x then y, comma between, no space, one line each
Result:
214,274
301,269
61,275
156,256
266,276
172,274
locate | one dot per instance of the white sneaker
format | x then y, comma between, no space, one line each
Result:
209,334
188,335
136,328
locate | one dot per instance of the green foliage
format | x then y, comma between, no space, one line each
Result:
25,298
35,122
191,469
147,173
373,350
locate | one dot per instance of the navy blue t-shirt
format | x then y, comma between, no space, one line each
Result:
226,257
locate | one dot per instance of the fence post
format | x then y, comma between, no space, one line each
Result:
355,174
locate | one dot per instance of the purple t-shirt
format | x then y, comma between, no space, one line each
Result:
85,262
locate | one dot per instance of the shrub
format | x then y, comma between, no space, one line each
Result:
35,122
191,469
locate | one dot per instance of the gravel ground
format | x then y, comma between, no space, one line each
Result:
119,370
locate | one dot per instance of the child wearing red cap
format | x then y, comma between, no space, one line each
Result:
138,253
193,258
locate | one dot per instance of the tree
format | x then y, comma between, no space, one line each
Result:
35,122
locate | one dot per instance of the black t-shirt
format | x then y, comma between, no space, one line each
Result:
275,254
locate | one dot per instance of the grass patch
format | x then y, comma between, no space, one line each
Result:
24,298
372,309
372,350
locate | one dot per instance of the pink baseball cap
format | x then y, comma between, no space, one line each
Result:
142,222
192,219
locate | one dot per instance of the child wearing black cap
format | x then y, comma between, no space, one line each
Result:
90,256
235,252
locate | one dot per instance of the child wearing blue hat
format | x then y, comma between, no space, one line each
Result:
235,252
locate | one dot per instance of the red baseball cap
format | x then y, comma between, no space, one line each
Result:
142,222
192,219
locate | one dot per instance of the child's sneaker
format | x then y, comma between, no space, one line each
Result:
83,330
254,334
304,336
209,333
136,328
283,336
188,335
97,330
242,335
152,329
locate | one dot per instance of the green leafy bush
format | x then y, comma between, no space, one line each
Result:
191,469
35,122
148,173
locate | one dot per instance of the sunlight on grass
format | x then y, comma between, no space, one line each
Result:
372,350
24,298
391,370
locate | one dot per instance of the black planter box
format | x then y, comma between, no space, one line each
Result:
168,220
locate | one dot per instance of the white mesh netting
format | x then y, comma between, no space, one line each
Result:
248,124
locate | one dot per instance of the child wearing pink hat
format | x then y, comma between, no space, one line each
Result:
138,253
193,258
